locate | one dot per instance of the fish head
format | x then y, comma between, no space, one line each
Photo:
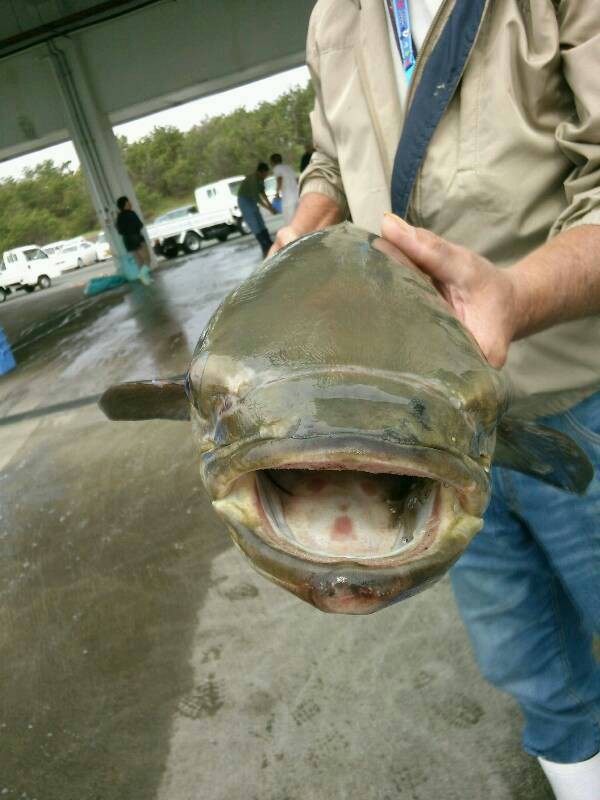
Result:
346,423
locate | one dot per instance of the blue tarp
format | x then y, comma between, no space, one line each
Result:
103,284
7,360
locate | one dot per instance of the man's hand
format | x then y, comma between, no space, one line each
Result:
481,295
558,282
284,236
264,201
315,211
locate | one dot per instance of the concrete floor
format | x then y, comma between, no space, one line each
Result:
142,658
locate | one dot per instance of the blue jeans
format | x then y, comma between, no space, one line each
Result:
251,213
528,589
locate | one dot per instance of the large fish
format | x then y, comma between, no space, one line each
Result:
347,422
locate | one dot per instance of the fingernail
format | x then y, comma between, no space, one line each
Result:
400,223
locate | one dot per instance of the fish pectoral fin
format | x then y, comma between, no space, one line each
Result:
543,453
146,400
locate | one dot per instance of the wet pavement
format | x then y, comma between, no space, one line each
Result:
142,657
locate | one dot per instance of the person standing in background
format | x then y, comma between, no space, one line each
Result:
287,186
251,194
130,226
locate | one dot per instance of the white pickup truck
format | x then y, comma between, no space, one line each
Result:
215,215
25,268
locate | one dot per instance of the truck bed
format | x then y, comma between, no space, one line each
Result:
193,222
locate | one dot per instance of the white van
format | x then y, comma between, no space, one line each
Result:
218,203
54,248
75,254
25,268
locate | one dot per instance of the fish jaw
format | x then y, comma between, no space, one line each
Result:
306,545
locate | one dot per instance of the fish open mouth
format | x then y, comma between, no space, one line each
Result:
348,514
349,525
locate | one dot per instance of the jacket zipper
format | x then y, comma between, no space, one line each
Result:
412,211
422,59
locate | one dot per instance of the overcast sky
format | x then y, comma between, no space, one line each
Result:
183,117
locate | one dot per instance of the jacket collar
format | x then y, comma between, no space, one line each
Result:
449,43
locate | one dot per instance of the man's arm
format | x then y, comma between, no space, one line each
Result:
559,281
264,201
279,185
314,211
322,197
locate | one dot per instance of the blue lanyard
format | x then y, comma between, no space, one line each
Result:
401,18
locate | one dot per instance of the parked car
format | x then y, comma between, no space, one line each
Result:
217,216
24,268
175,231
54,248
219,204
103,251
76,254
177,213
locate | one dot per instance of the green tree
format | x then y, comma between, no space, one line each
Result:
52,201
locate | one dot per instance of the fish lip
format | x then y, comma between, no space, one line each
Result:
342,587
360,453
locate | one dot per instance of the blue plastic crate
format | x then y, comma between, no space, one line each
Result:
7,360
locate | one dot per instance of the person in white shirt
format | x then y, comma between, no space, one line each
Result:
287,187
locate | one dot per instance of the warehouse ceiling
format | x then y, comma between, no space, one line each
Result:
141,56
29,22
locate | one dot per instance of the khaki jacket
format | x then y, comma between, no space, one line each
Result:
515,158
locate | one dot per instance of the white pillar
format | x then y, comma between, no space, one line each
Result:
93,138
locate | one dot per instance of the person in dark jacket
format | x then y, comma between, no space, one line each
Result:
130,227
